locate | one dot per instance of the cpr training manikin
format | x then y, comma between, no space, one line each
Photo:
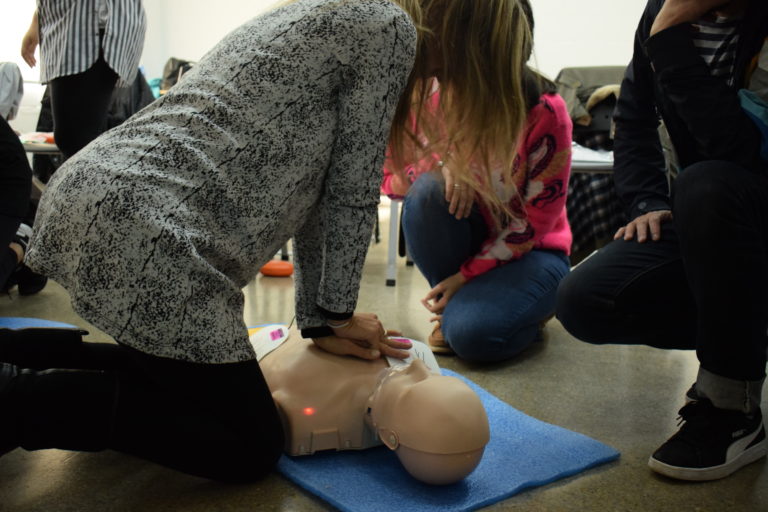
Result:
435,424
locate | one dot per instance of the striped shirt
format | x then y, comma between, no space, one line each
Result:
70,39
716,41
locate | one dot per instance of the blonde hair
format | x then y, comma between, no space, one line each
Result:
484,46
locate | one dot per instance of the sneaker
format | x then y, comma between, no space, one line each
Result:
712,443
23,234
29,282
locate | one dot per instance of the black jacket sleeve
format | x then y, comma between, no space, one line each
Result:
702,113
638,170
708,108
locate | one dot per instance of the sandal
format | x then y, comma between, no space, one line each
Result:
436,341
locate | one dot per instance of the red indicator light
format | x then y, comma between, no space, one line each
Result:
309,411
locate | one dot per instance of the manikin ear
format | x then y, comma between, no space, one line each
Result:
389,438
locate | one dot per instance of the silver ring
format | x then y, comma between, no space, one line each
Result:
456,185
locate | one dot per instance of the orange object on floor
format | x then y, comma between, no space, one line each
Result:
277,268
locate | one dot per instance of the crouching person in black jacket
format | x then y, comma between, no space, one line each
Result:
690,271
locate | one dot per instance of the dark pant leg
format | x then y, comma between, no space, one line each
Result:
15,188
630,293
214,421
8,258
721,213
45,348
80,104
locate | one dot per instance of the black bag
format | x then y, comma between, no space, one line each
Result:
172,71
591,94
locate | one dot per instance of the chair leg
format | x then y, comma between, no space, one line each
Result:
392,244
402,248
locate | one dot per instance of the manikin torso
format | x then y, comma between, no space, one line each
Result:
435,424
322,398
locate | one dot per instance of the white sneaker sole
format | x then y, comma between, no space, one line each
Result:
748,456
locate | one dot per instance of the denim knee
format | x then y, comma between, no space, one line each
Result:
477,340
427,191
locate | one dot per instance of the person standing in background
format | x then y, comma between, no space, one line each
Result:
15,191
15,186
86,48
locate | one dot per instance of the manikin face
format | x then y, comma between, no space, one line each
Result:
436,424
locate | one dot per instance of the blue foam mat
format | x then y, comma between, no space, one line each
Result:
523,452
11,322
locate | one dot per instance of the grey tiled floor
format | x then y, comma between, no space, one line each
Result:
626,397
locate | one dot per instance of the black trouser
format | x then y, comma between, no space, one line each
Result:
214,421
80,104
8,257
703,286
15,188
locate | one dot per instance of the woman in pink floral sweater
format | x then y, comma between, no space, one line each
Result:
494,282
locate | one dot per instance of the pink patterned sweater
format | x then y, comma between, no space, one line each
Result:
542,170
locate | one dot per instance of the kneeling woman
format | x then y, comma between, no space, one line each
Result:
279,132
493,255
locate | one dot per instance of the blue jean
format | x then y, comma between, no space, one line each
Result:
497,314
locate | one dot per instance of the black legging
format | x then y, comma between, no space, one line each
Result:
703,286
79,104
214,421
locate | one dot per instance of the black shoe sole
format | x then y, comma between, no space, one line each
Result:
748,456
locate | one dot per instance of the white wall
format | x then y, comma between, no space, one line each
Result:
568,32
187,29
584,32
16,16
14,22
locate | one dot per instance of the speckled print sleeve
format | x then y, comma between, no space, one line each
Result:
376,56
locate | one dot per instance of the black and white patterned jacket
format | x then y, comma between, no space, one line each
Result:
278,132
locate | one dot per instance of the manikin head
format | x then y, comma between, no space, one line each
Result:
435,424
